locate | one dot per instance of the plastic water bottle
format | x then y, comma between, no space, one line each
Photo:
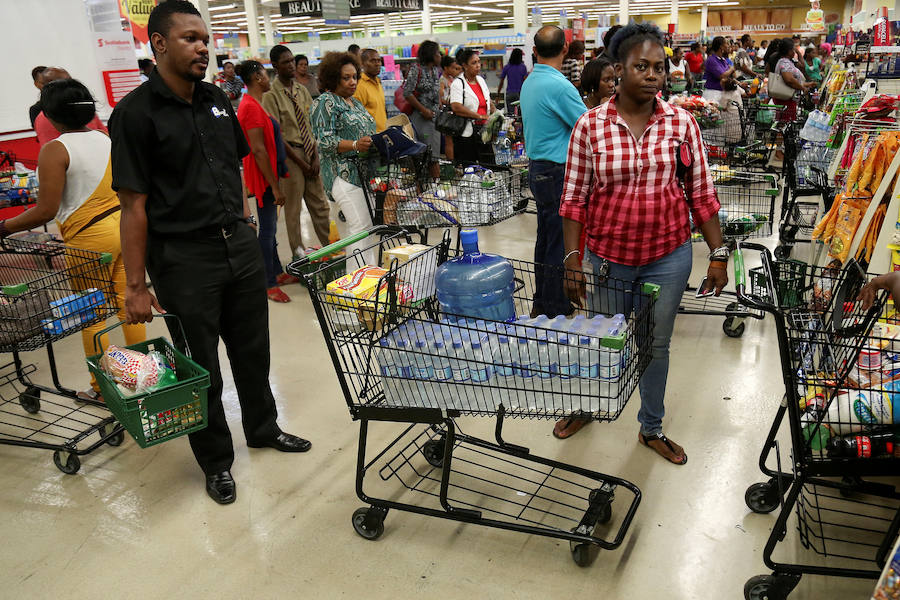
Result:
526,371
504,363
577,325
388,368
569,371
547,365
610,364
589,368
403,361
469,197
476,284
442,372
481,372
460,367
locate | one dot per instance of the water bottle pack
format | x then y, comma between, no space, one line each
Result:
817,127
534,365
813,154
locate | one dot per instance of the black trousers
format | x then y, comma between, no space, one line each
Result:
217,287
472,150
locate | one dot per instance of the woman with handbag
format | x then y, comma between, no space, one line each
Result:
786,80
470,98
718,70
422,90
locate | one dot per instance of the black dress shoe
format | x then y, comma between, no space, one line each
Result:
285,442
221,487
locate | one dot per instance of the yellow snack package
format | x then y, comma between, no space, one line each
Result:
362,285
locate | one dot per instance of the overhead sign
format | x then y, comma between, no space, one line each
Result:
336,12
313,8
138,14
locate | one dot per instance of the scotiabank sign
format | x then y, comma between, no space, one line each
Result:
313,8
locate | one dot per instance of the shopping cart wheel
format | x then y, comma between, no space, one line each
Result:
762,497
770,587
30,400
584,555
369,522
433,451
71,465
733,327
117,439
782,252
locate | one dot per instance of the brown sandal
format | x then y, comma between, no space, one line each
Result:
660,437
570,425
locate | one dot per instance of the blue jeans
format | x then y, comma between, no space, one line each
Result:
545,179
268,226
670,273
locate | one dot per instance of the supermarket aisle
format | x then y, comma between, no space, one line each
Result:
139,520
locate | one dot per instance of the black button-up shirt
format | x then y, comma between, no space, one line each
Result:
184,155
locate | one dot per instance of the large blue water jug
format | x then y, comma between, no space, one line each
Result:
476,284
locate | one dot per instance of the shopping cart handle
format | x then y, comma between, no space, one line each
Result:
99,349
740,277
335,247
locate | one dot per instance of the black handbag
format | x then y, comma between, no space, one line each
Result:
450,123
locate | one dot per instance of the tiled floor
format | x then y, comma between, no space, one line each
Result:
136,523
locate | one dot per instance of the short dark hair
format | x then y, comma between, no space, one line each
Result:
632,36
746,38
549,41
427,50
299,57
330,68
69,102
160,20
447,61
37,72
593,73
247,69
143,63
353,48
365,54
576,48
516,56
276,52
717,43
608,36
695,46
463,55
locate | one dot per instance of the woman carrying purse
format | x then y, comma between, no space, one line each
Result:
471,98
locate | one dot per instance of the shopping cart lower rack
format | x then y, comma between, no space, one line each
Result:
392,366
50,291
838,403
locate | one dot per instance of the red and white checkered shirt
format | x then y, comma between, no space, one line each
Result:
626,192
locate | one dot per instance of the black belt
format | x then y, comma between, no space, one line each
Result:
211,232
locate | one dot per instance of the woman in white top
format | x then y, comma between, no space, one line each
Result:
76,190
678,67
470,98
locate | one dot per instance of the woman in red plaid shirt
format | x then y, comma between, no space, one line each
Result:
624,186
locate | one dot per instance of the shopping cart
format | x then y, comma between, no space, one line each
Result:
50,291
381,354
747,202
829,345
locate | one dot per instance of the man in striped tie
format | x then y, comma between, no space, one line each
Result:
288,102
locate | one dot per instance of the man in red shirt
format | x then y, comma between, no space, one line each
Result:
45,131
695,60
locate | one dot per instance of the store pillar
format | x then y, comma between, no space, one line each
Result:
267,25
623,12
520,15
252,26
426,17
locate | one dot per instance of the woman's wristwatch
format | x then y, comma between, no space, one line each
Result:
720,254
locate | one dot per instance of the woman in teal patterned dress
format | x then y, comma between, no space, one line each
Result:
343,128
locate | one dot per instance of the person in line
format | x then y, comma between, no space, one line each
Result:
598,81
44,129
550,109
743,63
422,89
289,103
263,168
717,70
145,66
785,66
636,208
812,65
607,38
306,79
354,50
187,223
514,73
761,53
450,70
798,48
679,67
76,191
470,98
231,84
344,129
573,63
695,60
369,90
37,78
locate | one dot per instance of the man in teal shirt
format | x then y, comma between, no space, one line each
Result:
550,105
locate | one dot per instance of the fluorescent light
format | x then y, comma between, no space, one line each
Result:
223,7
472,8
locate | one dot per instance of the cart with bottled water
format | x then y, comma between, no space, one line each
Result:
837,361
49,291
400,358
747,200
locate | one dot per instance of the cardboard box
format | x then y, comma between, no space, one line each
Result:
420,275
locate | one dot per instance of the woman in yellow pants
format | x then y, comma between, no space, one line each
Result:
75,189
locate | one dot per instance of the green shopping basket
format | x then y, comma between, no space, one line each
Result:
790,276
164,414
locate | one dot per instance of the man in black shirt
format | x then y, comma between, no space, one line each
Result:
176,143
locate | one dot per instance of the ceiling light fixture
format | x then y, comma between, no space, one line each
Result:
472,8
